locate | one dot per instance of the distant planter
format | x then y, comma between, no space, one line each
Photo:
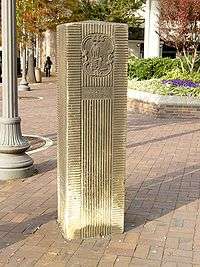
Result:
163,106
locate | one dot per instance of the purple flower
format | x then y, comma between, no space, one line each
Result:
181,83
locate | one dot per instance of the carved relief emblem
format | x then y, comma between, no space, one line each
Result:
97,51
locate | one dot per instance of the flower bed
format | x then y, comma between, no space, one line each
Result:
164,86
181,83
176,87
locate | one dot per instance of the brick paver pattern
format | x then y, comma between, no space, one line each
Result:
162,215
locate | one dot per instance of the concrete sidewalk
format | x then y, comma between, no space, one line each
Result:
162,199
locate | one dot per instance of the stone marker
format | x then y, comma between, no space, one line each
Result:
92,113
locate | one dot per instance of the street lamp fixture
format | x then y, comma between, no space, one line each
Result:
14,162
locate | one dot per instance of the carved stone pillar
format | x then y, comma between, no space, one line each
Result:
14,162
92,110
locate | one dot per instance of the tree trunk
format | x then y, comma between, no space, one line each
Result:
38,49
31,67
38,73
23,86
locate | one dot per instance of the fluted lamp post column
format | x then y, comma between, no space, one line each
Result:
14,162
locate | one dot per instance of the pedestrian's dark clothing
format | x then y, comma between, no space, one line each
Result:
47,67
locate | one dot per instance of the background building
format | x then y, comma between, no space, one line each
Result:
144,41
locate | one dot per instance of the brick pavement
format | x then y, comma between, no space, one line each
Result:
162,198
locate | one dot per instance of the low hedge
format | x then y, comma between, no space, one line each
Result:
145,69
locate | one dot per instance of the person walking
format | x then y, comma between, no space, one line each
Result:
47,67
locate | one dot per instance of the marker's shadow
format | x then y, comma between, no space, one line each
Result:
144,202
20,231
157,197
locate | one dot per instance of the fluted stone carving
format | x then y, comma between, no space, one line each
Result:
14,162
92,103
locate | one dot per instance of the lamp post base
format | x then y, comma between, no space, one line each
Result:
24,87
14,162
15,166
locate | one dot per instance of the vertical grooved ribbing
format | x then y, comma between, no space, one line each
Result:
97,174
69,115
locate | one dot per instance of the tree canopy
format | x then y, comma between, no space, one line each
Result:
179,27
123,11
35,16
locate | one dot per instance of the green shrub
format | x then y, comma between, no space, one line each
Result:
145,69
140,69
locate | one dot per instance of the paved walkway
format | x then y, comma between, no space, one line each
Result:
162,198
